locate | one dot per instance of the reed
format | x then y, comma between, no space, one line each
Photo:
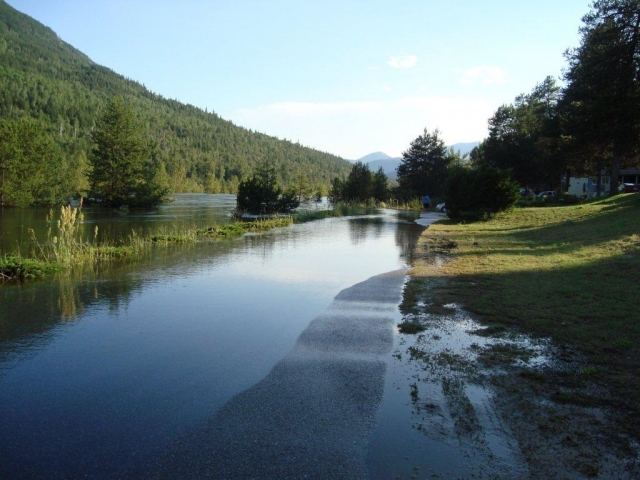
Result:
65,246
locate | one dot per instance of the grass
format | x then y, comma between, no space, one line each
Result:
571,273
16,267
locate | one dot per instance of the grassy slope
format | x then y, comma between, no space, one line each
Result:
571,273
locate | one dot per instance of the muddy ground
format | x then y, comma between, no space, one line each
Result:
511,405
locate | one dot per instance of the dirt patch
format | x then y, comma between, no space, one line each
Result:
516,407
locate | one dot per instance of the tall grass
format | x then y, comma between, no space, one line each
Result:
65,245
413,204
339,210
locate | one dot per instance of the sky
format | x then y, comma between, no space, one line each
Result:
349,77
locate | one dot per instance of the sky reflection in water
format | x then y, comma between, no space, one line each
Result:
102,371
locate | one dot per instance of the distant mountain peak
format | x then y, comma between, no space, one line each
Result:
373,156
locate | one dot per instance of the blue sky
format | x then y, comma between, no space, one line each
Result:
347,77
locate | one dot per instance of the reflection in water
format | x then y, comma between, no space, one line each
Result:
407,239
361,227
101,368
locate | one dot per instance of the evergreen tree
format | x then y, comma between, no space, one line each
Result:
261,193
524,138
359,184
424,166
601,107
30,165
123,169
380,186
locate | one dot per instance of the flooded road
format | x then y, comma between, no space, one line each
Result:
276,355
102,371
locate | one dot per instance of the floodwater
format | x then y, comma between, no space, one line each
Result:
103,370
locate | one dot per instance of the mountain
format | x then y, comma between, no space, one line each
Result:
43,77
388,166
373,157
465,147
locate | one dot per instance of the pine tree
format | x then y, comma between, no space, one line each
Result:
124,172
424,166
30,168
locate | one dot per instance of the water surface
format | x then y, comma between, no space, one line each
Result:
102,370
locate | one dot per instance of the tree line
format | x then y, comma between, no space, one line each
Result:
589,125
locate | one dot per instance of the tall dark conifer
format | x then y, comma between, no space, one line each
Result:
123,169
601,104
424,166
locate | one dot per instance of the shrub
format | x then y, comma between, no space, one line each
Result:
261,194
477,194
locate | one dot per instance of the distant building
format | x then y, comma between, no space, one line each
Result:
629,175
587,187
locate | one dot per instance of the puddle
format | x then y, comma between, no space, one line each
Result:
467,401
438,419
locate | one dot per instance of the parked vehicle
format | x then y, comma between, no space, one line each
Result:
442,207
547,194
629,188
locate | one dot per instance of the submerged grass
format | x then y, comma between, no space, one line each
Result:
571,273
338,210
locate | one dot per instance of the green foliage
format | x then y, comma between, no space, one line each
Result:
237,229
45,78
423,167
13,267
261,193
477,193
524,137
123,170
360,186
380,185
31,171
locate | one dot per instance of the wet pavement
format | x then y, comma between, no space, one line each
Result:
313,414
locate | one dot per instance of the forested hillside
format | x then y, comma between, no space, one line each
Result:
43,77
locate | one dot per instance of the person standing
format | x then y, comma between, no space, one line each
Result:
426,201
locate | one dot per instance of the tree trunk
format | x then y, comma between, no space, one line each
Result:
615,170
599,177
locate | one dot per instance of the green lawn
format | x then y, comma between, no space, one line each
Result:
571,273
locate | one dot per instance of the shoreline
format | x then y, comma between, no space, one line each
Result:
542,393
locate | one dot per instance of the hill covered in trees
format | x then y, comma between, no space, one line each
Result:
44,78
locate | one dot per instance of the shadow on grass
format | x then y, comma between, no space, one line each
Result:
592,307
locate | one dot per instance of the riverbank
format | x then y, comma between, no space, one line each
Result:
567,279
64,245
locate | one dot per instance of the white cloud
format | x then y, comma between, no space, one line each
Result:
354,129
483,74
406,61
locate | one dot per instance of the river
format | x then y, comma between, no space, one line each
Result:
103,370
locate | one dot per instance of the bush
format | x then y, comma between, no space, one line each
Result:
262,195
477,194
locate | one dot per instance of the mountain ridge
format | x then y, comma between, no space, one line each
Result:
44,77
